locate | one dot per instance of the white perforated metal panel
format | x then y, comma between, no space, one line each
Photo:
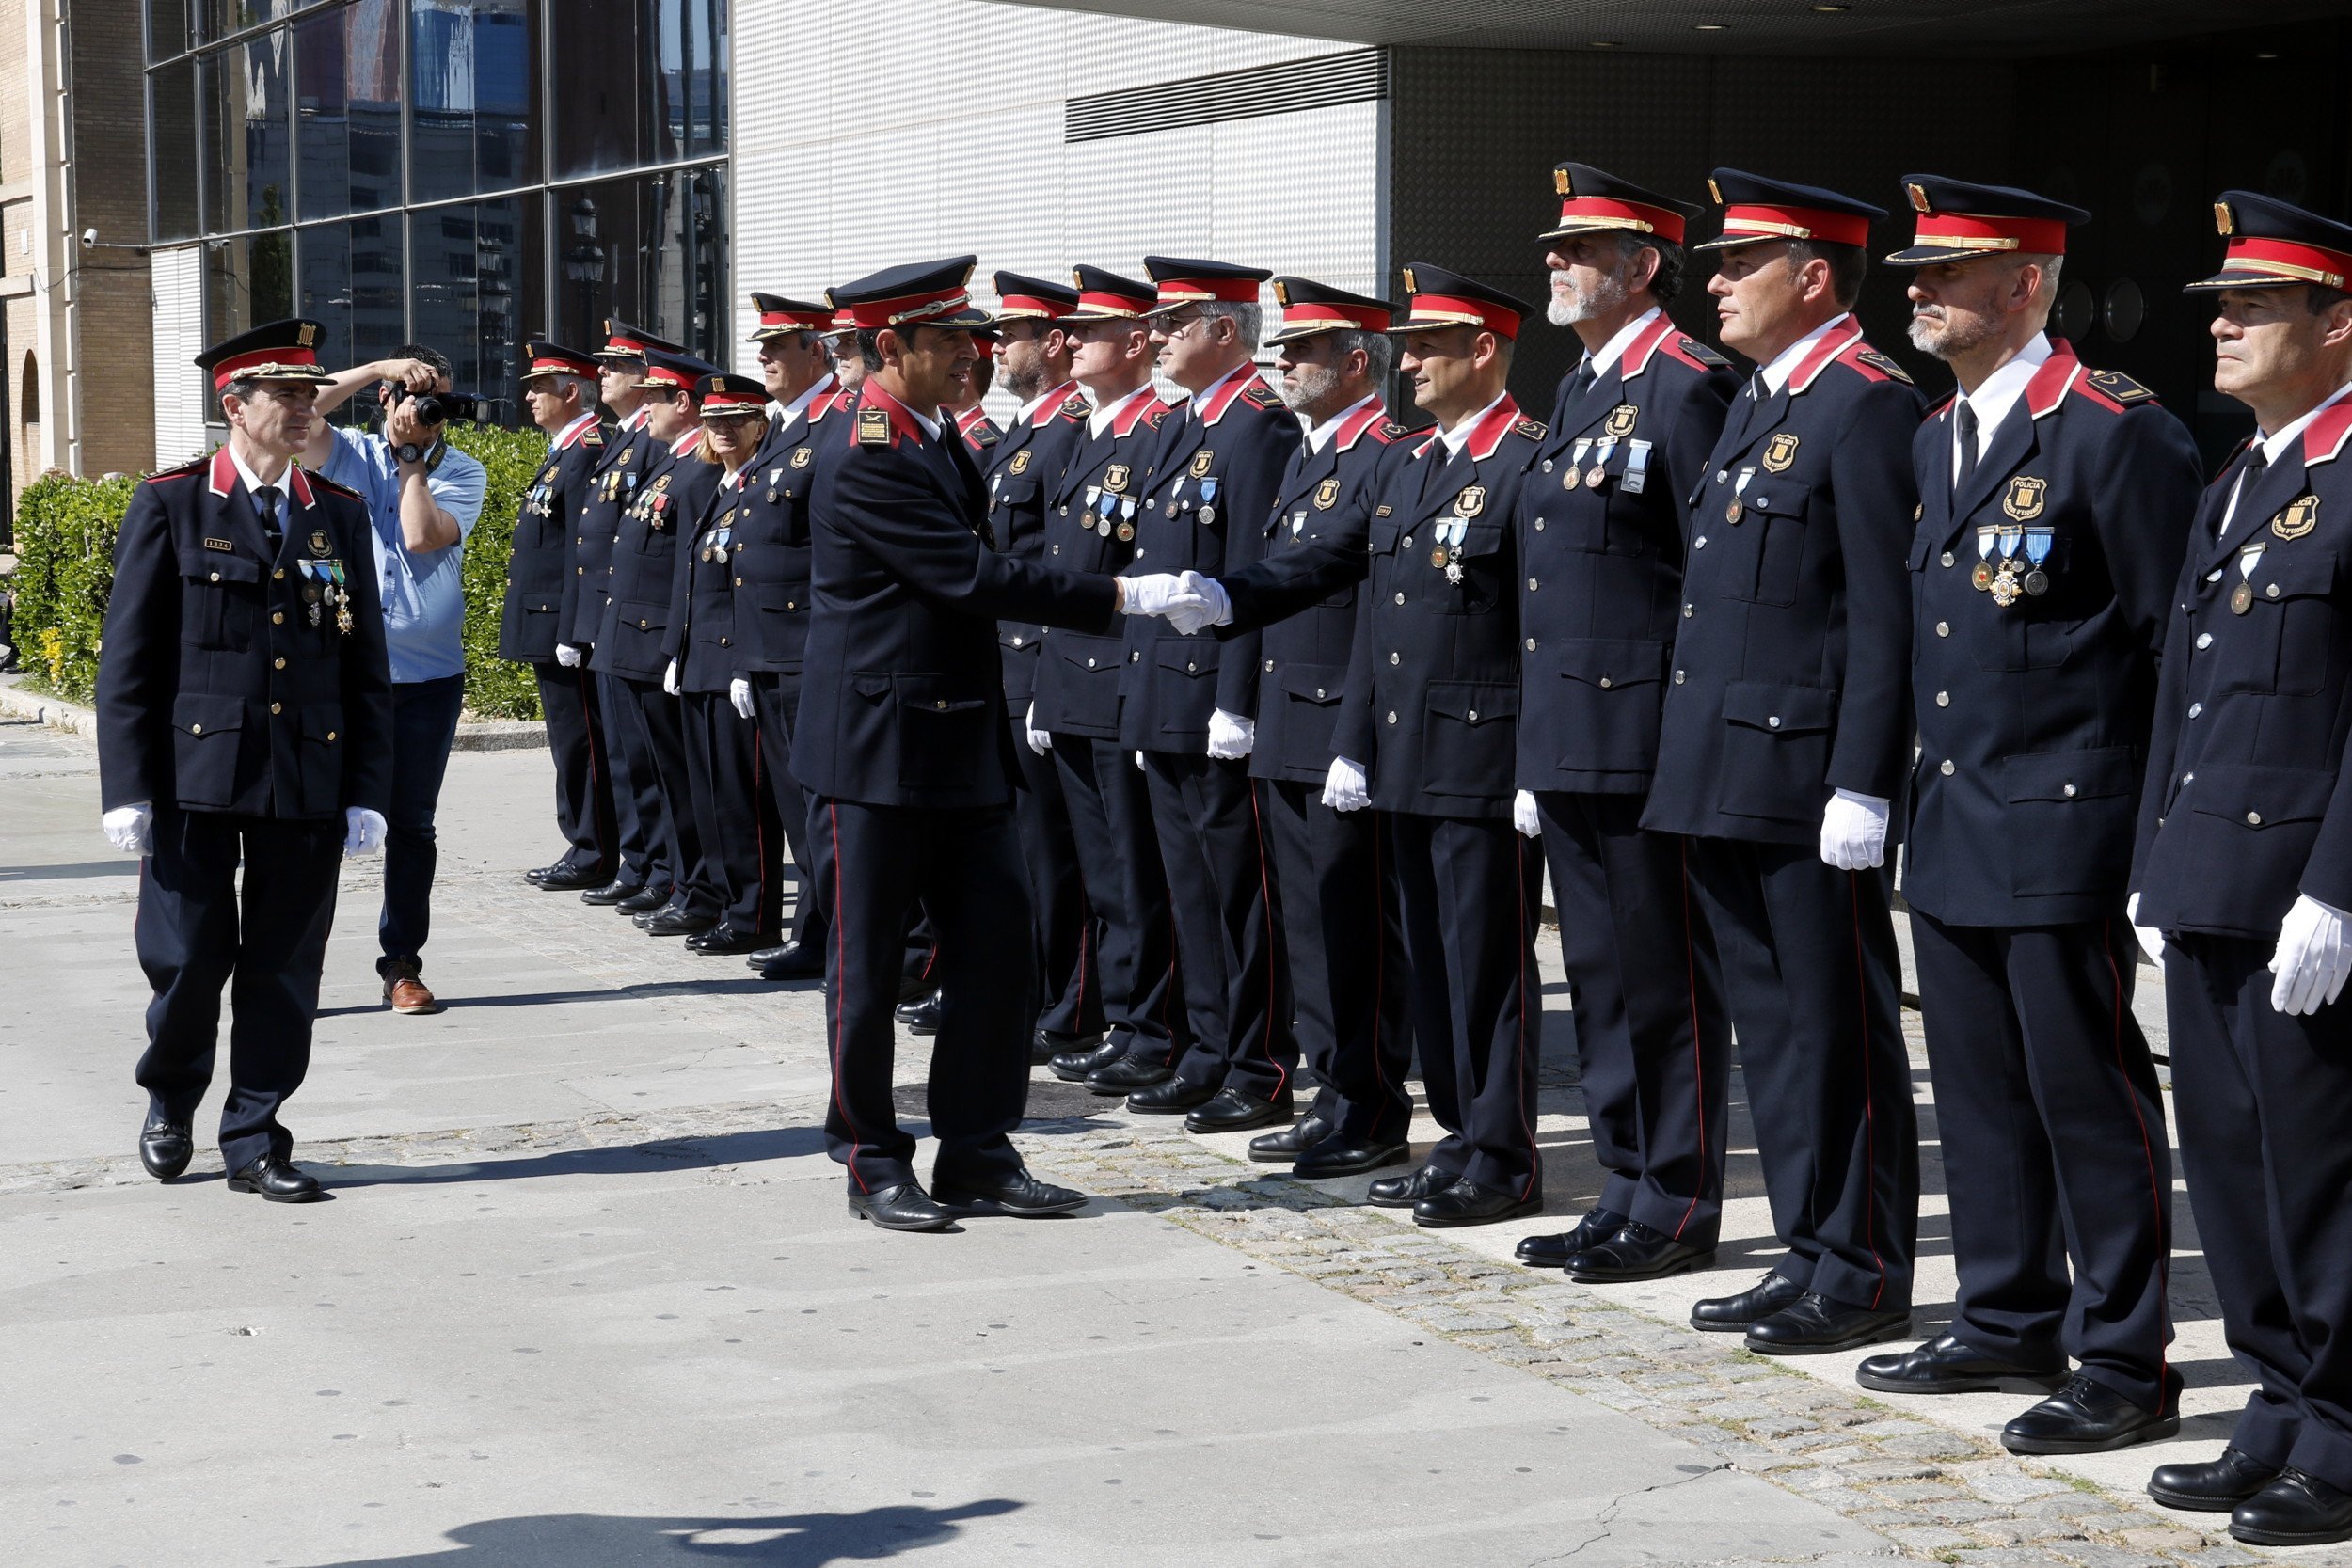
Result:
181,397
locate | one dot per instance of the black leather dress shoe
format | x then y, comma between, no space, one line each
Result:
1468,1203
644,901
1072,1066
724,942
1402,1192
905,1207
2087,1417
913,987
1232,1111
1020,1195
1128,1075
2214,1487
1944,1365
791,960
1637,1252
574,879
1553,1252
1345,1157
921,1016
2295,1510
1815,1325
1286,1145
1045,1045
1734,1314
165,1146
612,893
538,874
677,922
1171,1096
276,1179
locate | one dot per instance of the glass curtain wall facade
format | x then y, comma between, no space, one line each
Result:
461,173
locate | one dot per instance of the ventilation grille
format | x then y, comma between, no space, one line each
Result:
1358,76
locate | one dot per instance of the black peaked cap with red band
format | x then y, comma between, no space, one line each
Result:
275,350
2274,245
1593,200
1958,221
780,317
541,358
1104,295
1309,307
726,394
1177,283
921,293
1757,209
680,372
623,341
1437,299
1020,298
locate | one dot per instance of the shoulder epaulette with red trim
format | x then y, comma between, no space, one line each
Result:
1533,429
189,469
1388,432
331,487
1695,354
1871,365
1075,407
592,437
1152,416
1264,396
2113,386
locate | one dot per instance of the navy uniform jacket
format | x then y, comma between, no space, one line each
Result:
2247,802
1601,595
980,433
216,692
771,539
1212,484
2033,718
703,636
541,566
1433,678
671,491
1091,513
1303,591
901,703
611,485
1019,470
1791,666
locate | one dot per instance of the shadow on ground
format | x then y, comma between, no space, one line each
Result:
782,1541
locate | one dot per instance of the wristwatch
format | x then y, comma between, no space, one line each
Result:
409,452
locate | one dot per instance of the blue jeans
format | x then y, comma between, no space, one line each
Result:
425,722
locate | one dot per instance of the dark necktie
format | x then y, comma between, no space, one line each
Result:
2249,474
1966,469
265,505
1580,382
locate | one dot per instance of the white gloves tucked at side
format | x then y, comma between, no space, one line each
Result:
1230,735
567,655
1854,832
669,679
2151,940
130,828
1041,741
1524,815
740,693
363,832
2312,958
1346,788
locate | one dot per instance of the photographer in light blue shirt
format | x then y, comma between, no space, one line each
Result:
423,496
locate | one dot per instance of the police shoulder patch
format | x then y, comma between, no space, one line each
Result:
2118,387
1700,354
1153,417
1533,429
1389,430
592,437
1262,395
331,487
189,469
1075,407
873,427
1871,359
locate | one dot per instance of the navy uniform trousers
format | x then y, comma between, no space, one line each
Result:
964,867
1343,954
643,840
1653,1041
584,807
776,699
2052,1126
1063,929
1470,889
1110,816
1815,981
2251,1084
193,936
1227,924
659,728
742,843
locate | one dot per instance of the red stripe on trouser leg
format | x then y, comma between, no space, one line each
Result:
588,713
840,990
1519,935
1698,1056
1379,977
2147,1152
759,826
1265,897
1870,1118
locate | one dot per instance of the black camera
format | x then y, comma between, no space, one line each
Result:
441,407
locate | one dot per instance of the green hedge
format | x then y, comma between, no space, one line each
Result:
65,539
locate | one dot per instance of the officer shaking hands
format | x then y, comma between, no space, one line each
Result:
245,712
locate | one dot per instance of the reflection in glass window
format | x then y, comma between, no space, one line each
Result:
348,63
222,17
351,285
171,119
654,91
651,250
170,28
474,290
246,135
248,280
472,95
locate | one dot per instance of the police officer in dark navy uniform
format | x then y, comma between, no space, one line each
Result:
1426,733
539,583
2054,507
771,592
1032,353
1785,738
1186,702
642,880
673,486
1601,523
245,713
2245,863
1344,941
904,745
742,838
1093,511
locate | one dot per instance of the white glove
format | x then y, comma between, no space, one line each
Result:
1854,832
2312,958
363,832
1523,815
1139,761
740,693
567,655
1150,594
130,828
1346,788
1231,737
1202,602
2151,940
669,679
1041,741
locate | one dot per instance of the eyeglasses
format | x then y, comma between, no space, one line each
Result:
1174,327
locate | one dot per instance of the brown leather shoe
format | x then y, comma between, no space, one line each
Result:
408,994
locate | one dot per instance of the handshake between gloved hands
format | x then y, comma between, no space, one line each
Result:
1188,601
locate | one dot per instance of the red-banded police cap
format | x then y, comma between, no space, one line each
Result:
1756,209
1957,221
623,341
1309,307
680,372
1592,199
1020,298
1177,283
541,358
922,294
725,394
2273,245
1437,299
1106,296
780,317
275,350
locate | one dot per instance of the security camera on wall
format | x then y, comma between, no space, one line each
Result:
90,239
